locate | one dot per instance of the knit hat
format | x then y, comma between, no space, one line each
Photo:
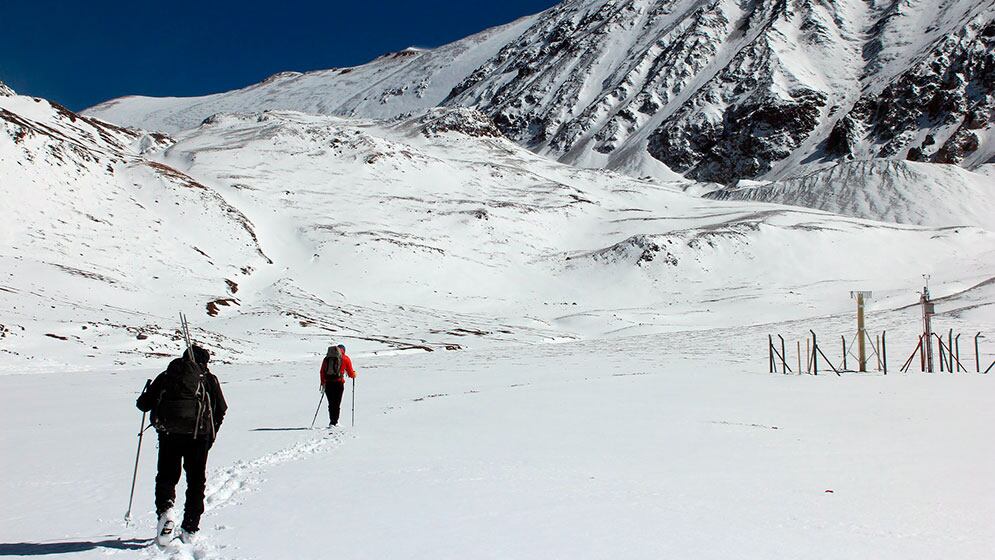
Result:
200,355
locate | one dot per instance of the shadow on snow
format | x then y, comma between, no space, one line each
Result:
279,429
65,547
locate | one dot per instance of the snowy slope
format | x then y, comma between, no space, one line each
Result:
895,191
715,91
509,233
393,84
98,236
278,230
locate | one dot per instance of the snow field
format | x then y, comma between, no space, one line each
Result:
637,447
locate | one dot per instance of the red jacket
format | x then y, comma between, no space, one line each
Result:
346,369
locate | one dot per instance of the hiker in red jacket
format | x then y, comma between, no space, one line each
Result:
334,368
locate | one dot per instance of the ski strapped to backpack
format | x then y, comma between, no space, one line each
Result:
203,398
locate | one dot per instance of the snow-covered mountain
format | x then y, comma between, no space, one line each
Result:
566,309
95,236
527,331
903,192
716,91
278,230
393,84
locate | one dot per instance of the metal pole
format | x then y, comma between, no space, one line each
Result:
877,353
836,371
884,352
354,402
861,350
770,352
842,336
950,352
927,316
977,353
908,363
943,356
952,360
320,399
957,350
815,359
798,344
808,355
138,454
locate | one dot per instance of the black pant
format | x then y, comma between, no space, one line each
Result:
174,449
333,392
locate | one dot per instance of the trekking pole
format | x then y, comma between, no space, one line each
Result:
313,420
354,402
134,476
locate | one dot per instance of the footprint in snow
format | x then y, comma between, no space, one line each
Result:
245,475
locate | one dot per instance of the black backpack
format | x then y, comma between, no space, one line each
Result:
184,406
333,366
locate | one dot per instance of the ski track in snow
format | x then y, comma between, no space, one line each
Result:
225,485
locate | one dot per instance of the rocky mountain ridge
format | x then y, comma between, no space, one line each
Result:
716,90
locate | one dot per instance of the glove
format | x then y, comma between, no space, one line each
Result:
321,389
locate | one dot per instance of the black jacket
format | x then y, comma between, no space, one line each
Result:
177,405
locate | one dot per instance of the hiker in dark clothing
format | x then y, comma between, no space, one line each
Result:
187,408
334,368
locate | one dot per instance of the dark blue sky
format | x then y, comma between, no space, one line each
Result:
80,53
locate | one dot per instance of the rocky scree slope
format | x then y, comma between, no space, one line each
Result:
100,246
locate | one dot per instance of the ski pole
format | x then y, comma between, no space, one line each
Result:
134,476
313,420
354,401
